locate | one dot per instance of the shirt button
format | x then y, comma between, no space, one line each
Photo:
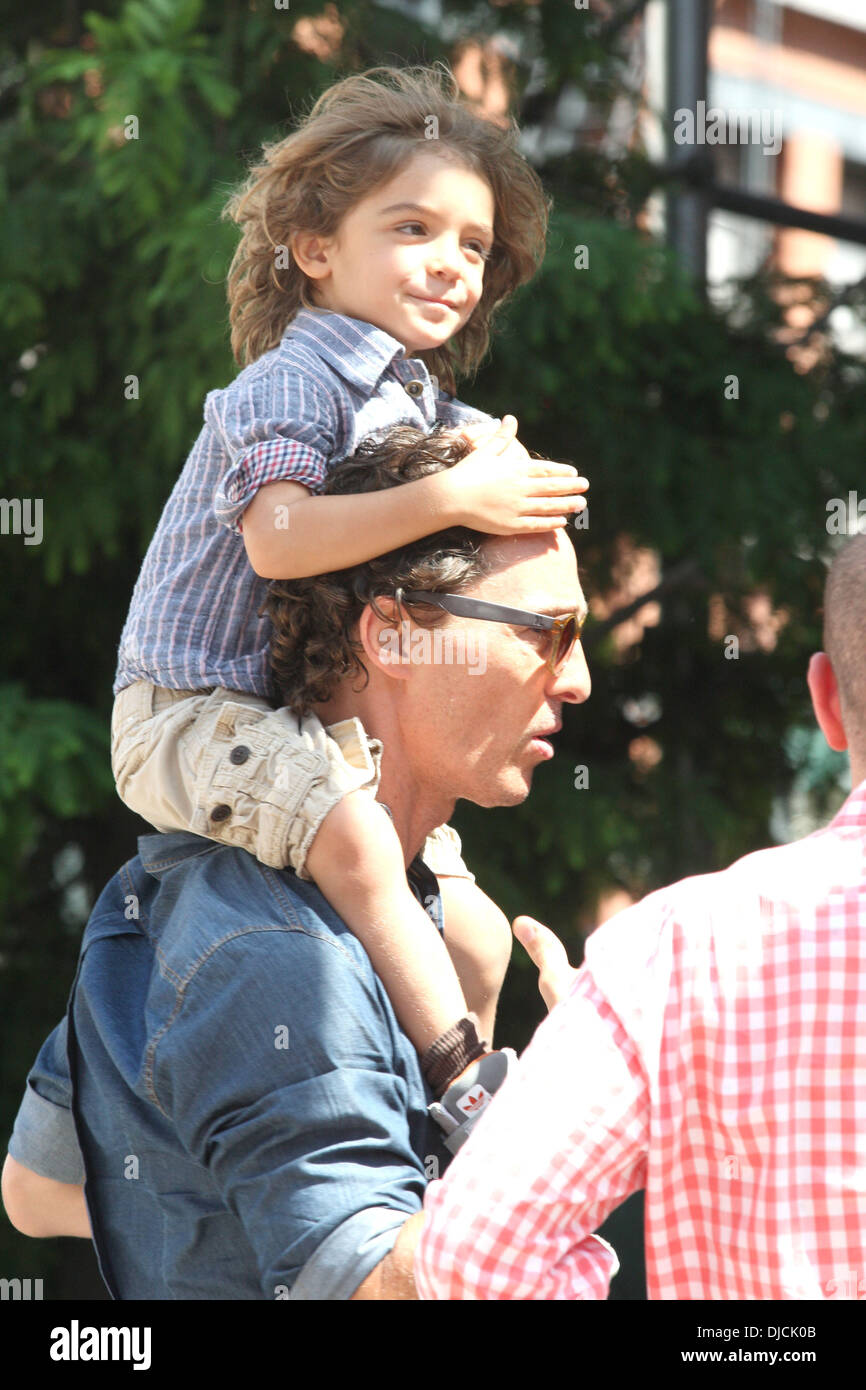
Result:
220,813
415,388
240,754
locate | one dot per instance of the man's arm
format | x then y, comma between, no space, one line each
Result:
43,1176
560,1146
304,1123
394,1278
39,1206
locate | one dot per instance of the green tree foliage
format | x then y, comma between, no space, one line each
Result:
121,133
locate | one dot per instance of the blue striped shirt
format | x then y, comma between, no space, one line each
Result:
195,619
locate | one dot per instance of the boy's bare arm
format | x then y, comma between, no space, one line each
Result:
314,535
496,488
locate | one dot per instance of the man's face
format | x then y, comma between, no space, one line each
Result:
481,736
410,257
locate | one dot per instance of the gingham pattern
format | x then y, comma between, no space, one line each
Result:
711,1050
194,621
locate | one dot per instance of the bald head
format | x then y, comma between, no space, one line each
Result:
845,635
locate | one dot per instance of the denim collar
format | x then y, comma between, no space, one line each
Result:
161,852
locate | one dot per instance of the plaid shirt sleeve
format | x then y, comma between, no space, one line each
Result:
274,427
560,1147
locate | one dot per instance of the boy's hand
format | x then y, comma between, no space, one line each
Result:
498,488
482,429
546,951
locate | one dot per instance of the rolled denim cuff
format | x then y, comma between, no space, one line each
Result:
44,1139
344,1259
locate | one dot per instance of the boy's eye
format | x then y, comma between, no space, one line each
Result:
418,229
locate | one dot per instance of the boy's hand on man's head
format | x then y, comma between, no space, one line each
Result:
498,488
485,429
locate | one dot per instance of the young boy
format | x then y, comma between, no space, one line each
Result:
377,241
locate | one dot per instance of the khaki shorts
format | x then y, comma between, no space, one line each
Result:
226,765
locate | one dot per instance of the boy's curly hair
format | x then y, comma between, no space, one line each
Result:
359,134
312,643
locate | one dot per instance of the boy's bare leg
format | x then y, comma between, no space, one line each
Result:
479,941
357,861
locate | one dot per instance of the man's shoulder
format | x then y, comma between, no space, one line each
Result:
200,940
190,896
764,887
707,919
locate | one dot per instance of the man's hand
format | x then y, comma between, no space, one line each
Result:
547,953
39,1206
392,1279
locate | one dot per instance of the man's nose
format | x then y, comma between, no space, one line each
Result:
572,682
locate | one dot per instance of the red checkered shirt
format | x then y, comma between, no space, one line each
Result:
712,1050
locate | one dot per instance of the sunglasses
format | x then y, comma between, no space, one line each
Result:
563,632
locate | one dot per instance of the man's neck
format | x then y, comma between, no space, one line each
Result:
416,807
415,814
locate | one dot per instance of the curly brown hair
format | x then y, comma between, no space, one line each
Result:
312,644
358,135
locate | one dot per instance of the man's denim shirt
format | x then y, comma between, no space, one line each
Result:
252,1118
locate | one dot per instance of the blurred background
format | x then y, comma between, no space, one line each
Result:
696,341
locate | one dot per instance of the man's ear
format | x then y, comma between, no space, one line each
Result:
826,703
310,252
386,644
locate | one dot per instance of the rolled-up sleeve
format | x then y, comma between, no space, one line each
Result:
44,1138
274,427
561,1145
303,1123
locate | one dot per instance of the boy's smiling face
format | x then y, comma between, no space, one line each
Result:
409,258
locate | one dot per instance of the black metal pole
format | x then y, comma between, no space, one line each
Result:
688,24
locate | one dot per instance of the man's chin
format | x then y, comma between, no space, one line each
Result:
509,791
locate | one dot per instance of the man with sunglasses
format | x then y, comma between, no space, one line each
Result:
711,1050
253,1120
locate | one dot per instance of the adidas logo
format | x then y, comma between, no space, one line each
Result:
475,1100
